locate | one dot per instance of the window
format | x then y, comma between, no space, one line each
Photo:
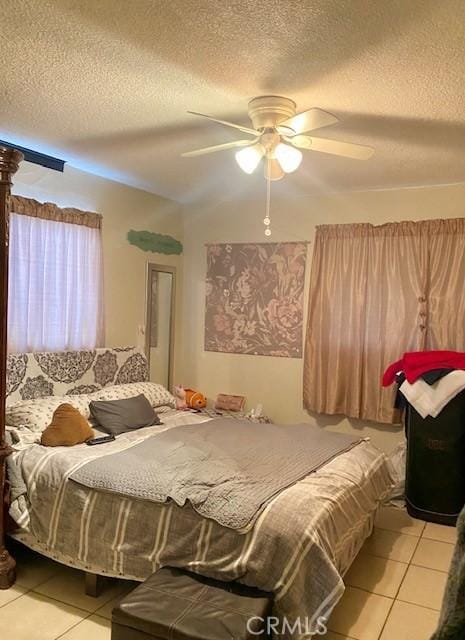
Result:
375,293
55,278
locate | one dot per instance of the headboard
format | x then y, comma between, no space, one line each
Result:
35,375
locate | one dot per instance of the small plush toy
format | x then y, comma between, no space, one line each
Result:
180,394
195,399
189,399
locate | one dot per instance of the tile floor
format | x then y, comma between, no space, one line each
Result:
394,590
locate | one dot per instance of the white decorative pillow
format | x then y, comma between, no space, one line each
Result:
156,394
37,414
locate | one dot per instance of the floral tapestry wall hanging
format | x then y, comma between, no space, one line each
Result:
254,298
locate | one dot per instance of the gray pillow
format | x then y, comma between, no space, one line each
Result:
119,416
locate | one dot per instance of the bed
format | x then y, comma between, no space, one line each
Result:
299,547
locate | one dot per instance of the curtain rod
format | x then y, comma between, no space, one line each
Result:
209,244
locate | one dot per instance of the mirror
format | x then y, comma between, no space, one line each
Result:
159,330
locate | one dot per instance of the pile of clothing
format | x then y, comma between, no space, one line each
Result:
428,380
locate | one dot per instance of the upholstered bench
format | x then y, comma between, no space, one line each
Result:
176,605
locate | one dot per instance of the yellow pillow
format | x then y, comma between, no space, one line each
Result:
68,427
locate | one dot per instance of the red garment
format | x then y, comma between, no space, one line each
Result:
415,363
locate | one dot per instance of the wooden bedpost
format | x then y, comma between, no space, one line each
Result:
9,161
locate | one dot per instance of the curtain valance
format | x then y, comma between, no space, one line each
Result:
49,211
392,229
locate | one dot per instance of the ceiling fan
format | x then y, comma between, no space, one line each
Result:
277,136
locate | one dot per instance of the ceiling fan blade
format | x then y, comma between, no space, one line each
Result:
252,132
308,120
218,147
334,147
272,169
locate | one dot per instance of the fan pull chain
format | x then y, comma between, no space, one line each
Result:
267,219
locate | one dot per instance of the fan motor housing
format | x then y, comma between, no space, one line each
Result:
266,112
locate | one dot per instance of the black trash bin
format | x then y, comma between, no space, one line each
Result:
435,469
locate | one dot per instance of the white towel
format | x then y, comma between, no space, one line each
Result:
430,400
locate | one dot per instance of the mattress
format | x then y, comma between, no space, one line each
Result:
299,547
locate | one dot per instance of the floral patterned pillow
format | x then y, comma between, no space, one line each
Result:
37,414
156,394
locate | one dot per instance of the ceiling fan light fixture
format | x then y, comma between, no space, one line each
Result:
288,157
248,158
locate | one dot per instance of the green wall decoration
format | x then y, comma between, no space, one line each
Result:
154,242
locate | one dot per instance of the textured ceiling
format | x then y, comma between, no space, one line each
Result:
107,84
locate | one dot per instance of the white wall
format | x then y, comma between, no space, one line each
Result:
123,208
277,382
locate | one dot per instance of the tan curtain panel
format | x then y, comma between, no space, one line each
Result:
375,292
446,299
50,211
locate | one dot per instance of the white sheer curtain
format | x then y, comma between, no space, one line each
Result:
55,286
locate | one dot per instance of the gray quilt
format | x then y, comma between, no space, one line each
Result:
300,545
227,472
